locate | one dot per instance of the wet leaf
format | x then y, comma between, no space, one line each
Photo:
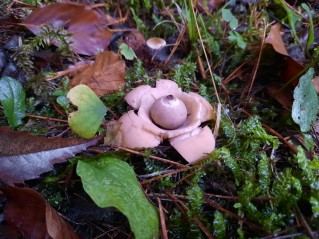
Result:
305,106
86,121
106,75
12,98
111,182
24,156
89,36
27,212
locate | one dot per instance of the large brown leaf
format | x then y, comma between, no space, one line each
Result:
88,28
24,156
27,212
107,74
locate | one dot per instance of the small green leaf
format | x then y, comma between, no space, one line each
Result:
305,105
111,182
236,37
127,52
229,17
63,101
86,121
12,98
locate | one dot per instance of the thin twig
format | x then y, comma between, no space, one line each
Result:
150,175
206,57
304,224
153,157
201,226
68,71
162,219
234,73
200,65
46,118
166,175
23,3
237,198
258,60
178,41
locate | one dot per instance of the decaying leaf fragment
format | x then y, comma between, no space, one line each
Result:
89,34
24,156
107,74
28,213
146,129
274,38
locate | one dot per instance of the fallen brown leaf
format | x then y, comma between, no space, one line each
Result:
291,67
107,74
274,38
89,34
24,156
284,97
27,212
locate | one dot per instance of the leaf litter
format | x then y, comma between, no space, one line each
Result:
88,30
105,75
36,218
26,156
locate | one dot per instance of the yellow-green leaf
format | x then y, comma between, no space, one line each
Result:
86,121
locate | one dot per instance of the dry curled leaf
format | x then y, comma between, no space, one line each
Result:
107,74
27,212
24,156
89,34
274,38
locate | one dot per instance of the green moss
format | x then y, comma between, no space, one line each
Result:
184,75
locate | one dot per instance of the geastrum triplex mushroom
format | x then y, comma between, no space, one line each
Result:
165,112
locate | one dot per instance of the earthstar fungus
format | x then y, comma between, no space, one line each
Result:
165,112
